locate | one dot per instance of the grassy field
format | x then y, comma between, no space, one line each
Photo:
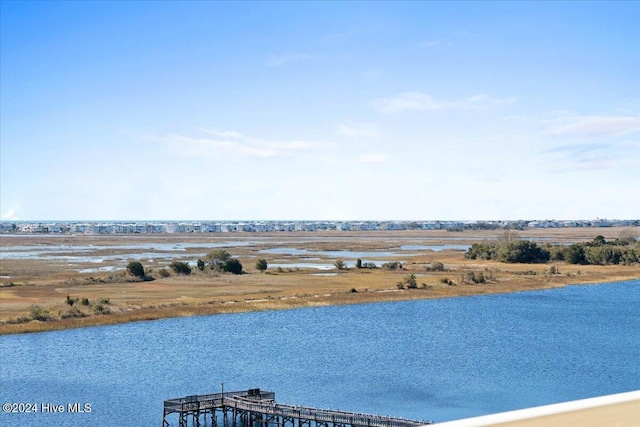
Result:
104,294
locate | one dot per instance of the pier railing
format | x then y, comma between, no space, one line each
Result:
258,406
214,400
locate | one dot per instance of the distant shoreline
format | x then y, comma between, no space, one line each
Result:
98,227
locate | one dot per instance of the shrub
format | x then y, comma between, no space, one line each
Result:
73,312
233,266
200,264
85,301
180,267
101,309
70,301
525,273
39,313
136,269
20,319
217,259
489,275
410,281
340,265
261,264
474,277
392,265
163,273
435,266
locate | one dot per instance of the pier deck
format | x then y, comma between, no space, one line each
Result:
257,408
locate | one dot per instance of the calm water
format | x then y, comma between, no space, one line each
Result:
438,359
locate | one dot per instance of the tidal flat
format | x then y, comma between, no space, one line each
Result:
39,274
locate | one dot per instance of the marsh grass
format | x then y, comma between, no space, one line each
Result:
117,299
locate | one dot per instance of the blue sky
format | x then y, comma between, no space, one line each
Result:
319,110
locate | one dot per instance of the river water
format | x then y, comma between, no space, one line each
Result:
433,359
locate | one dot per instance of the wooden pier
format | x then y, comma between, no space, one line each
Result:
257,408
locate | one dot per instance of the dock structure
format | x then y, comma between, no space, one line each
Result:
258,408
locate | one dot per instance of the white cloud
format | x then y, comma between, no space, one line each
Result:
588,127
236,144
420,101
279,60
358,129
223,134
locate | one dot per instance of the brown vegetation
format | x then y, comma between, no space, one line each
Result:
115,297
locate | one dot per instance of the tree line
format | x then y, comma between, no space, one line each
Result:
623,250
217,260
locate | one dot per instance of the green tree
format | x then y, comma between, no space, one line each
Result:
217,259
358,263
135,269
233,266
261,264
574,254
556,252
180,267
603,255
480,251
200,264
522,251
